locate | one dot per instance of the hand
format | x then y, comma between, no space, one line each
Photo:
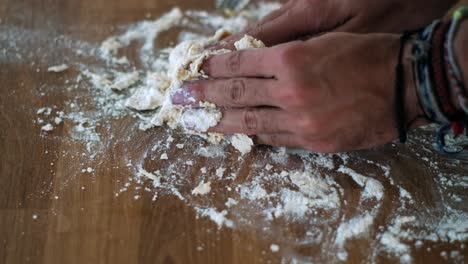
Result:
328,94
301,18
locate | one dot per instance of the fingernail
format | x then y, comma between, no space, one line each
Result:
184,96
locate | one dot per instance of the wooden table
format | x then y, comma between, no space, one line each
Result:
51,211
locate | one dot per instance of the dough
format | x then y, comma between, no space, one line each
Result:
248,42
185,63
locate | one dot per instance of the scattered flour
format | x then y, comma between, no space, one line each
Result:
202,188
242,143
164,156
125,80
355,227
58,68
220,172
218,217
47,127
274,248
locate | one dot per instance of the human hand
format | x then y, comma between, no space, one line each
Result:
301,18
328,94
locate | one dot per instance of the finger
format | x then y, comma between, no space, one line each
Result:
228,43
279,140
301,19
253,121
242,63
237,92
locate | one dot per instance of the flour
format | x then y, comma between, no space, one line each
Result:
372,188
44,110
146,31
391,239
47,128
355,227
219,217
58,120
202,188
274,248
200,120
58,68
125,80
220,172
156,179
150,95
242,143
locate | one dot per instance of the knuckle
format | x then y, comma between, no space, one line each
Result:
309,127
293,95
323,147
304,3
332,147
268,123
256,30
290,55
250,119
235,91
273,140
200,91
233,62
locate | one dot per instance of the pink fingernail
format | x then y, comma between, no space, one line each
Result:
185,96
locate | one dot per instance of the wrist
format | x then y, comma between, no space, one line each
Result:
414,112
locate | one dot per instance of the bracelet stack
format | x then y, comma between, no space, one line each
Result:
438,77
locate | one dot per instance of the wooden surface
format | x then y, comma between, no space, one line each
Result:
52,212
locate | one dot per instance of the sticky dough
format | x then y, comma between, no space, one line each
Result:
185,63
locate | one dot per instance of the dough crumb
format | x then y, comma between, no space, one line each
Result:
230,202
248,42
220,172
125,80
274,248
47,128
202,188
242,143
58,120
58,68
44,110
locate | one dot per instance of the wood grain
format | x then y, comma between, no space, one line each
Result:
79,217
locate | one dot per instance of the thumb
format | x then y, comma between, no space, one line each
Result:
300,18
228,43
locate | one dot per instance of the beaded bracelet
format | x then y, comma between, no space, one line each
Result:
454,73
436,74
